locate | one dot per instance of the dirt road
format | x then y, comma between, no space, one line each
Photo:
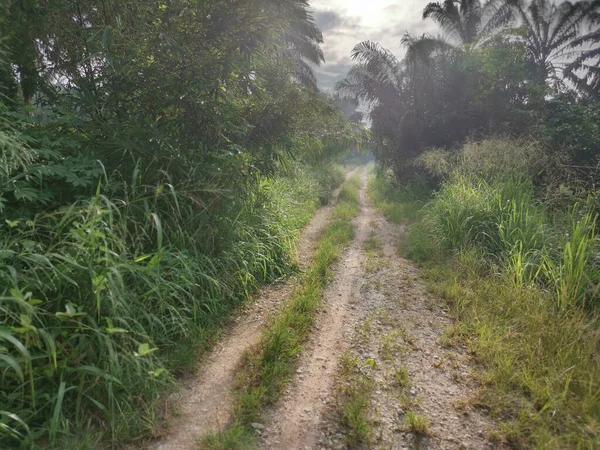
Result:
377,313
378,310
205,403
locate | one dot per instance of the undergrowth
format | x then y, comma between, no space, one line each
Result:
521,280
399,204
268,367
103,302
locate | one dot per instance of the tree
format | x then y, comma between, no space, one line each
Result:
467,20
554,39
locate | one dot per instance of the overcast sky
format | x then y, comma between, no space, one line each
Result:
345,23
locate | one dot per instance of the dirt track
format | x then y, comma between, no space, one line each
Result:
381,290
205,402
377,309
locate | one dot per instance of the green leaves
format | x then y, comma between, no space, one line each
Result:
144,350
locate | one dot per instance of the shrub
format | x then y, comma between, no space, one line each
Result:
102,302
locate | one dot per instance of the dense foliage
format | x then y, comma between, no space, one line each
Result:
155,168
511,67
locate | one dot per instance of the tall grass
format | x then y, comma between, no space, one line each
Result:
398,203
521,279
502,221
103,302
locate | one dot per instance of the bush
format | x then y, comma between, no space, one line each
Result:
492,158
502,220
101,303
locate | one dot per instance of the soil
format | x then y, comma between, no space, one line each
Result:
376,309
205,403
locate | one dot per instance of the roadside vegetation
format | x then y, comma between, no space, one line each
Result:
355,389
267,368
486,143
520,277
157,161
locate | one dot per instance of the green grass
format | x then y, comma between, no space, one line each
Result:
398,204
354,400
520,282
416,423
103,303
268,367
401,378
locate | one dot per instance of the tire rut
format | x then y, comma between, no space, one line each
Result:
206,402
293,422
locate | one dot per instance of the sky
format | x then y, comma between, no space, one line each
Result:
345,23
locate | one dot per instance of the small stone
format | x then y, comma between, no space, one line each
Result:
257,426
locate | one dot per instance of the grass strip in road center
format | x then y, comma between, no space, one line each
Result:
267,368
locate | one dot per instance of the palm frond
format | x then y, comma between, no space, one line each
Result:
448,17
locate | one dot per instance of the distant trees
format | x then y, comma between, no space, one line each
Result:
495,70
175,87
467,20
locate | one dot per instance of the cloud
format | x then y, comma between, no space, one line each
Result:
326,20
345,23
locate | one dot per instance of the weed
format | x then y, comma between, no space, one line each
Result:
372,245
401,378
234,437
407,401
375,264
390,345
417,423
355,400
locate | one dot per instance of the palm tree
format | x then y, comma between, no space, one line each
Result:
378,79
304,41
584,70
467,20
398,94
554,38
376,76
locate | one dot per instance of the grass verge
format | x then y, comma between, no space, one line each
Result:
104,302
538,356
268,367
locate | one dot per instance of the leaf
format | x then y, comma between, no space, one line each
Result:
57,411
157,372
113,330
25,193
10,430
7,335
12,223
25,320
5,254
93,370
12,362
371,363
142,257
71,311
144,349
